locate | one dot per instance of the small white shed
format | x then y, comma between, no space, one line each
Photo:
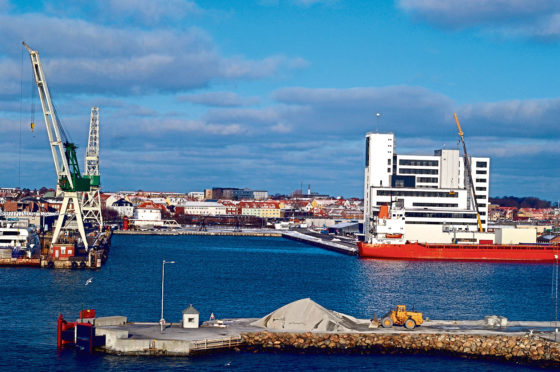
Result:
190,317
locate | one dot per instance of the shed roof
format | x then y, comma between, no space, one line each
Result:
190,310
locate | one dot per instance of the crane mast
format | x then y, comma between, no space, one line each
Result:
91,200
92,152
469,172
70,182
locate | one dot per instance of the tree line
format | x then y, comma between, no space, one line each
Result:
520,202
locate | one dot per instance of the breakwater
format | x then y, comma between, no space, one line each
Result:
529,349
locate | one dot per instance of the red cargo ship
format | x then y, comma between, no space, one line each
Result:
464,252
387,242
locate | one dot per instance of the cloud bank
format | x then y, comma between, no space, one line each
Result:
531,18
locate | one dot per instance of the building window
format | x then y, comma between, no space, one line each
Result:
481,189
483,180
424,194
419,163
481,172
367,151
418,171
439,215
388,161
439,205
427,179
481,164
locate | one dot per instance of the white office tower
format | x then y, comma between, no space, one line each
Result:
433,189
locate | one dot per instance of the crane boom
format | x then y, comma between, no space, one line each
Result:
51,121
69,179
469,172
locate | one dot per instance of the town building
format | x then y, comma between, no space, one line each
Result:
202,208
433,189
123,207
267,209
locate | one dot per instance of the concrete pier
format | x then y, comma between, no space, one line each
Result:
520,342
148,339
349,248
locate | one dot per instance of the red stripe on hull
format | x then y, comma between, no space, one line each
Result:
461,252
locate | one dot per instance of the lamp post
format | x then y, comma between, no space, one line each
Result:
556,300
162,320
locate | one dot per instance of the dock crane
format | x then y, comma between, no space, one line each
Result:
91,200
70,182
469,172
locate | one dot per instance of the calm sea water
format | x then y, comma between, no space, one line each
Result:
250,277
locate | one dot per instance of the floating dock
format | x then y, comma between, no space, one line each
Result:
66,255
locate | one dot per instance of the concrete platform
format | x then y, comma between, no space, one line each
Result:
322,241
136,338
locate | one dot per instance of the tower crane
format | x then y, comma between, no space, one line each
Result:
469,172
91,200
70,181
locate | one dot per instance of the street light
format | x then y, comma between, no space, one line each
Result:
162,321
556,300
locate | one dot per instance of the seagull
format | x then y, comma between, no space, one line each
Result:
89,280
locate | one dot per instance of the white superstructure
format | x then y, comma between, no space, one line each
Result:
433,189
17,235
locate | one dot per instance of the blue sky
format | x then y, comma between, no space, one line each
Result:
269,94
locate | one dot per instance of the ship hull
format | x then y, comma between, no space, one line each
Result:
460,252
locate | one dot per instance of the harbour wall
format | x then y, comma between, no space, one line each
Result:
527,349
351,250
267,233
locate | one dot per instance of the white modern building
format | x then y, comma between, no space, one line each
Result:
196,195
204,208
433,189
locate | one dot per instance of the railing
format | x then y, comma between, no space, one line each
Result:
219,343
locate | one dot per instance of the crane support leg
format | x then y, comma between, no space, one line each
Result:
70,198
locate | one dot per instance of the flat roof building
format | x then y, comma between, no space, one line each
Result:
433,189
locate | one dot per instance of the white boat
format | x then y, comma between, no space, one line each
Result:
18,238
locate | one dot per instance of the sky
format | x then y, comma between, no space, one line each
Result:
275,94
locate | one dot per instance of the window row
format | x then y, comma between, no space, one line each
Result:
429,194
419,163
427,179
440,205
440,215
417,171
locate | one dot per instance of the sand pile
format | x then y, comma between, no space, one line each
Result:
307,315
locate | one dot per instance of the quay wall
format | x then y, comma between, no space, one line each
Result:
322,243
515,348
211,233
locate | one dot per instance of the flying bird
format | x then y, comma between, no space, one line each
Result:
89,280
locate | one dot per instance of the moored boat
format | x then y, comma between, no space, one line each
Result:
388,242
464,252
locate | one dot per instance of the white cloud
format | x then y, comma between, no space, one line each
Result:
533,18
224,99
84,57
150,12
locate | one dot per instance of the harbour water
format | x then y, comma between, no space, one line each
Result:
250,277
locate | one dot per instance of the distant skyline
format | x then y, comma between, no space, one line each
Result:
269,94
